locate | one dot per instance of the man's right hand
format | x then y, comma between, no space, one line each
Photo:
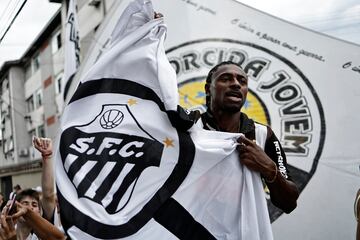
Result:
44,146
7,223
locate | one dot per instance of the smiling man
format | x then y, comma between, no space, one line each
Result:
226,90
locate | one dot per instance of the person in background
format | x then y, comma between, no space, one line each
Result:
40,226
16,190
30,199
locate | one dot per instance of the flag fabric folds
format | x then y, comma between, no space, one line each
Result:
72,47
130,165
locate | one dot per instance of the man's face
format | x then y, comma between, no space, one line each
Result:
228,89
31,203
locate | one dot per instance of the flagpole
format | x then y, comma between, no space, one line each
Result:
72,48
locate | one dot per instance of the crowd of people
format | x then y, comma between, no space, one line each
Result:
31,213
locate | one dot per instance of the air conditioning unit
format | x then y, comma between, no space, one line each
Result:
24,152
27,117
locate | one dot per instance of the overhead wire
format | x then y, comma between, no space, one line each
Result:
5,9
9,15
13,20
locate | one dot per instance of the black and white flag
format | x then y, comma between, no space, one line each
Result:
72,47
130,165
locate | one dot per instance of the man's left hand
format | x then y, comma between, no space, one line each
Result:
253,157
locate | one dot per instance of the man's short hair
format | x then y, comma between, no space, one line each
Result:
211,72
28,193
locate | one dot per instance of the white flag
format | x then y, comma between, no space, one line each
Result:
131,165
72,49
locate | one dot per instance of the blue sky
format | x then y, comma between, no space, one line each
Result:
338,18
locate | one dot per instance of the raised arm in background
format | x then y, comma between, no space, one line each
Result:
44,146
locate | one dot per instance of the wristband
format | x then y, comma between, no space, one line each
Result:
275,176
46,155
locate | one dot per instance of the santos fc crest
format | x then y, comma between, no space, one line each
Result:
118,162
104,161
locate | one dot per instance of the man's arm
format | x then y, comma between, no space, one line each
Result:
283,192
42,228
282,185
44,146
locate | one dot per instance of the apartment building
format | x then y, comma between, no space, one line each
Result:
31,100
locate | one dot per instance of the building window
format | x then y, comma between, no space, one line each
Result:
5,146
56,42
39,98
32,133
41,131
28,71
8,145
58,83
11,143
5,85
36,62
30,104
2,123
